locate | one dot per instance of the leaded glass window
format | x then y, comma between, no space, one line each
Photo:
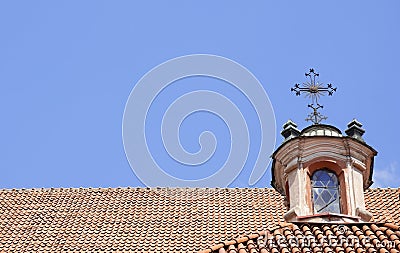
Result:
325,192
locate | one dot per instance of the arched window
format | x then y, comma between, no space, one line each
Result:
325,191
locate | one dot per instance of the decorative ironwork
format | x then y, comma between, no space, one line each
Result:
315,116
314,90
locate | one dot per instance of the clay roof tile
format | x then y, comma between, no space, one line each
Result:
178,219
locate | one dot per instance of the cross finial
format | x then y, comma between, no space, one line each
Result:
314,89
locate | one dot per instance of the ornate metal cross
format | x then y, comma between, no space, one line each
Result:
314,90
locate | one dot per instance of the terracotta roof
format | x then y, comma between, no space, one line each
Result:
384,204
324,238
147,220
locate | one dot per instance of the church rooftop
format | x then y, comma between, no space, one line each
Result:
154,219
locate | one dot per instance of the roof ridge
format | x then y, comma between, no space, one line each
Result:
384,188
161,188
135,188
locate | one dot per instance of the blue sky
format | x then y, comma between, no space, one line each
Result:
68,67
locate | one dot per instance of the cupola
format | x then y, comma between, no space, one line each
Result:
321,172
323,175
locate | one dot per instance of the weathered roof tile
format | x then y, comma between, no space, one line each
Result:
310,238
174,220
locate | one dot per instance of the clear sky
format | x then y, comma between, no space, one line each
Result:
67,69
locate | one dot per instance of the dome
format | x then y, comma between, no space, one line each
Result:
321,130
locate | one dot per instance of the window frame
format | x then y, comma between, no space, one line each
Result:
338,168
335,188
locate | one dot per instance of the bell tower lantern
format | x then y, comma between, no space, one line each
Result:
321,172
